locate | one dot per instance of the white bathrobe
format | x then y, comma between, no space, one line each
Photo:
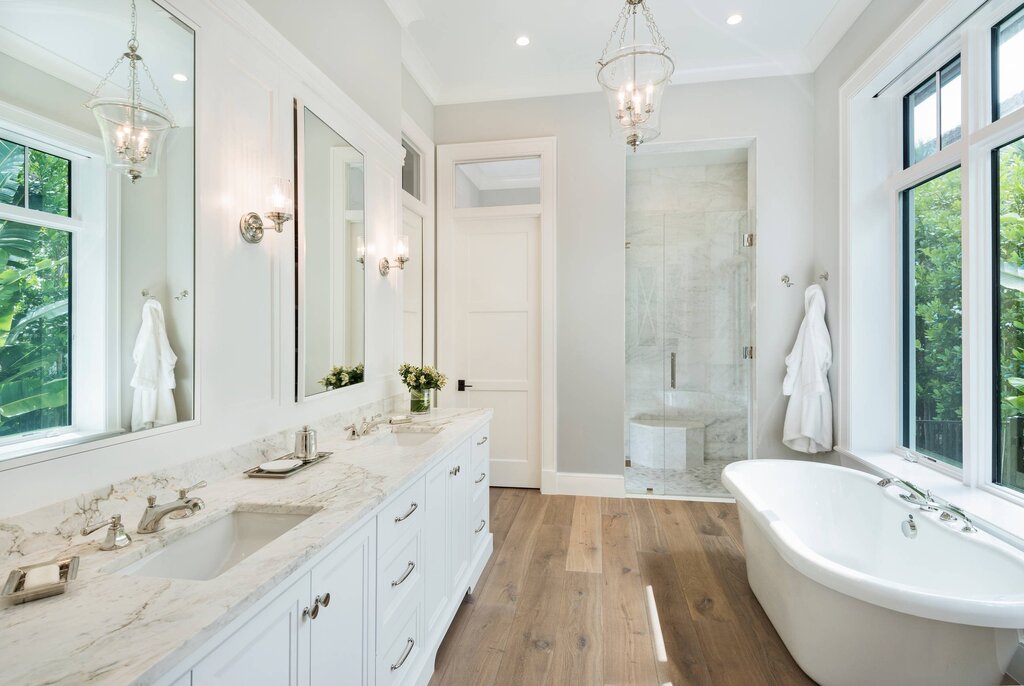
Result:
808,427
153,381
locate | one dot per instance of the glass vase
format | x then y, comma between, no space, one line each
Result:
420,402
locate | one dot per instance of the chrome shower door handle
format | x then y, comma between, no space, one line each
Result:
672,370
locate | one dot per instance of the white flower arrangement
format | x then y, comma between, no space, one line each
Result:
421,378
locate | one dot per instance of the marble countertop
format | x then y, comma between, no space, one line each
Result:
111,628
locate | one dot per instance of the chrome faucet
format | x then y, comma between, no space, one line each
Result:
951,513
153,516
368,426
914,495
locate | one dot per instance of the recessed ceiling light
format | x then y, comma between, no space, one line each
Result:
523,41
180,77
734,19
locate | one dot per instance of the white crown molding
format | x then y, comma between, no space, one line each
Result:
419,67
831,31
582,82
405,11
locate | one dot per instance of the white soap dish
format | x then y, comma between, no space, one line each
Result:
280,466
14,590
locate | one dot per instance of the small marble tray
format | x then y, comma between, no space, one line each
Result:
15,594
258,473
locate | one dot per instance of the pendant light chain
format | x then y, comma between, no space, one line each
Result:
133,57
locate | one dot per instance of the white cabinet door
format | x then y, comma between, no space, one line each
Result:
267,651
460,478
342,635
435,550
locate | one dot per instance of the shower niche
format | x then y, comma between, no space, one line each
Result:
689,316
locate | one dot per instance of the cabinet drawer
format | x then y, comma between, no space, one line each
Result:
396,661
399,584
400,518
480,524
481,448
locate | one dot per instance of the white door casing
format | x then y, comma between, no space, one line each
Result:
418,277
496,312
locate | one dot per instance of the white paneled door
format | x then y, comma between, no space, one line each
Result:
493,227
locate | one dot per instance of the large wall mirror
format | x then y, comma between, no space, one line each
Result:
331,258
97,209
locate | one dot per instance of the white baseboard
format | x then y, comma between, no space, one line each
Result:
570,483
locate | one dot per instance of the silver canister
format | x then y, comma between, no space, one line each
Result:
305,444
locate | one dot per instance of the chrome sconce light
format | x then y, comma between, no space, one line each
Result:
251,225
361,250
401,257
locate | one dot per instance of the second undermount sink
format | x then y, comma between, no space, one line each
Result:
409,439
217,547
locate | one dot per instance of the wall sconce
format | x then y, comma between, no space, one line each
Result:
360,250
280,201
401,257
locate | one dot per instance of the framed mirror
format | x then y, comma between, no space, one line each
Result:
330,254
97,223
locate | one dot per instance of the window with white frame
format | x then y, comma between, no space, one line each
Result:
960,198
35,291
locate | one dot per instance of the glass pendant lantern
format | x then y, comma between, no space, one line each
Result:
634,75
133,133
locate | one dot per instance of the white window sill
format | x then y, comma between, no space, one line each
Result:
57,440
1003,517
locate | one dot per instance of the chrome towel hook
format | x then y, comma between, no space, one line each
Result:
786,281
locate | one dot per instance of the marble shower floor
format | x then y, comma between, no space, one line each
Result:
705,480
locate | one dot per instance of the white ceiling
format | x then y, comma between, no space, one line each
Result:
464,50
78,42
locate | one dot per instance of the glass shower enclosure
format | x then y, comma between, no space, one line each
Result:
689,318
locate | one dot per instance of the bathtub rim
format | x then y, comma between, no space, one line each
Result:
1007,613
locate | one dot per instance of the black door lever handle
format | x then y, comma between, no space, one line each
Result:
463,385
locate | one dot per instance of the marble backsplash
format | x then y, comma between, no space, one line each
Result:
59,523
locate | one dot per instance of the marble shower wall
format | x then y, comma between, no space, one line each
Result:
687,291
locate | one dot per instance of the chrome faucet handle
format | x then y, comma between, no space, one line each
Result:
117,537
352,431
183,492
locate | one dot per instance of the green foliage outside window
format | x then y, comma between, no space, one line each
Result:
938,317
1010,167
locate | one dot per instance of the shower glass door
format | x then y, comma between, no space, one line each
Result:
689,314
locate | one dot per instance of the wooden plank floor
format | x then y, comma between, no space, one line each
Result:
607,591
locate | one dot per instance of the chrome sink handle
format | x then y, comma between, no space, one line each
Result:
117,537
183,492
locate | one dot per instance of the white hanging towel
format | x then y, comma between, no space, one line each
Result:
808,427
153,381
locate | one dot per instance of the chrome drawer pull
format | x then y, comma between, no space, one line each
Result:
405,655
483,523
482,441
483,475
408,570
412,508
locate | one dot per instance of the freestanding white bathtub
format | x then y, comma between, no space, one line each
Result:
856,600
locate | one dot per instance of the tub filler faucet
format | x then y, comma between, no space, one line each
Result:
914,495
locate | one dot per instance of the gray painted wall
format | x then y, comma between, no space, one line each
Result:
416,103
779,113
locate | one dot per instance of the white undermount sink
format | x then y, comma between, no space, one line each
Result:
408,439
217,547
